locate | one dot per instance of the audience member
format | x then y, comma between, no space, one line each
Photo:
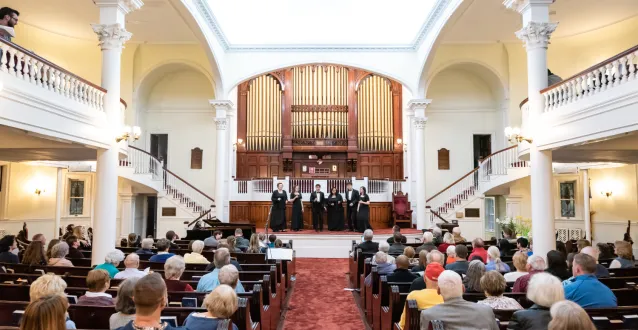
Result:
493,285
229,275
132,263
423,262
8,246
520,263
448,239
428,243
625,257
111,261
146,247
455,312
428,296
535,265
263,243
567,315
232,241
522,244
605,252
254,245
48,312
560,247
162,255
395,229
494,261
124,304
171,236
409,252
478,250
8,18
396,247
585,289
544,290
74,245
367,246
150,298
385,248
52,243
402,272
461,264
98,281
173,269
279,244
383,266
557,265
580,244
241,242
451,254
431,258
507,243
35,254
22,239
472,279
196,256
133,240
81,233
456,232
58,253
601,271
213,240
438,235
220,305
271,240
233,261
210,281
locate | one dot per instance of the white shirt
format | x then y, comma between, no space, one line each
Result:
513,276
129,273
349,193
97,294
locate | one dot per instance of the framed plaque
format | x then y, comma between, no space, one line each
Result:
196,158
444,159
169,211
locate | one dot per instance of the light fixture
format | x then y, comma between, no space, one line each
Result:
606,193
238,143
399,141
39,191
513,134
127,133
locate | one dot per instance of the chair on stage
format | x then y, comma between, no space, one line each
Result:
401,213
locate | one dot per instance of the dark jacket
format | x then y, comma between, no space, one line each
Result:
460,266
144,251
534,318
9,258
418,284
354,198
396,248
241,242
427,247
369,247
601,271
402,275
74,253
561,273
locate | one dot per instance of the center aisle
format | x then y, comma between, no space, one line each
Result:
319,301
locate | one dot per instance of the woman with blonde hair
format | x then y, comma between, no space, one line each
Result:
494,260
544,290
254,246
625,257
220,306
48,312
196,257
231,241
520,263
448,240
410,253
568,315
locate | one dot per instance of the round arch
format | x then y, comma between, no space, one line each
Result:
155,73
492,76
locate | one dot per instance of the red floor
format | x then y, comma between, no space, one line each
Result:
384,231
319,301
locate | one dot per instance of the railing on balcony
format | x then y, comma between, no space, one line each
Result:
263,186
306,185
500,162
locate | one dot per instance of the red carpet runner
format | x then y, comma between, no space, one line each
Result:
319,301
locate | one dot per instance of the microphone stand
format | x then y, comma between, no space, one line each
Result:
267,225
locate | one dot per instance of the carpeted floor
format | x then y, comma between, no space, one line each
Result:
384,231
319,301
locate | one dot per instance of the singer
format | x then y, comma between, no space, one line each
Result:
278,217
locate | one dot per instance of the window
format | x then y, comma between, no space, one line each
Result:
567,199
76,197
490,216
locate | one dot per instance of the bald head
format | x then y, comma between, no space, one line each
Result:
402,262
132,261
591,251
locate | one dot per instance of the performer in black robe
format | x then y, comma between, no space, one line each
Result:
335,210
297,209
363,213
352,201
278,216
318,201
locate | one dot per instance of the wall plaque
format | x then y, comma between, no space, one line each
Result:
169,211
196,158
472,213
444,159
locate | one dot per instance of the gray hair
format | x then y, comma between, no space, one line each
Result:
147,243
124,300
174,267
197,246
367,235
221,258
60,250
384,246
114,257
229,275
437,231
132,259
456,230
545,289
450,284
381,257
428,237
537,263
448,238
439,257
451,251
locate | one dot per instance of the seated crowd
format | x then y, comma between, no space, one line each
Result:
558,291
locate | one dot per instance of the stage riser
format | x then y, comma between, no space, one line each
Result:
257,213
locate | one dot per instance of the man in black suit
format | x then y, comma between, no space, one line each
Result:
402,273
368,245
318,201
352,199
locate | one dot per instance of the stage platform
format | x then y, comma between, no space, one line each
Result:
327,244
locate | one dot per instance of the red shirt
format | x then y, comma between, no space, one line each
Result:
175,285
481,252
521,283
443,247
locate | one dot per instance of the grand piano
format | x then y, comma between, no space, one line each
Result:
200,232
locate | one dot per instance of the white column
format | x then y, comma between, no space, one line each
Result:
586,201
127,214
59,200
535,34
112,36
418,148
409,159
223,108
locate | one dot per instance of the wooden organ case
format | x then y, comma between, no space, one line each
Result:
320,121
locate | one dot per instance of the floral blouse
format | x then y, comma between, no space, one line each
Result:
501,302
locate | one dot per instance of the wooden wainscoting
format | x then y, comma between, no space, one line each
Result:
257,213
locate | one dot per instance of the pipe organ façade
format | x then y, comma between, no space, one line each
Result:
320,120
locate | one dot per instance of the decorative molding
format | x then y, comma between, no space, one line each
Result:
111,36
536,34
222,123
419,122
418,104
125,6
226,105
521,5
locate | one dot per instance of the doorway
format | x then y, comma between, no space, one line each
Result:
151,216
482,147
159,147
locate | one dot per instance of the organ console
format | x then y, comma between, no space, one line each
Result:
321,121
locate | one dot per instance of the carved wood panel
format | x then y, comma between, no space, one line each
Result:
444,159
197,155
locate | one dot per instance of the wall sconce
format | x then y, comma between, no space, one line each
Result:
127,133
399,141
39,191
239,142
606,193
513,135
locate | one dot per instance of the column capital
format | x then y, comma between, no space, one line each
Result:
418,104
536,34
521,5
111,36
222,107
126,6
222,123
419,122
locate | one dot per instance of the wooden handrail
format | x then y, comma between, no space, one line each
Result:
520,106
173,174
591,68
437,214
469,173
199,217
51,64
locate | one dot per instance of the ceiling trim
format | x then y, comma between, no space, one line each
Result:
436,12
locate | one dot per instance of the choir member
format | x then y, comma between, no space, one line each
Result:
352,201
297,209
363,212
318,201
335,210
278,214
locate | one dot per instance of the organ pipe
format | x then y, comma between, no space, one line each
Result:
375,121
264,114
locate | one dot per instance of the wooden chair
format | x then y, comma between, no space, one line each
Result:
401,213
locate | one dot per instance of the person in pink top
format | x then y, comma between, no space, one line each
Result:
58,253
478,249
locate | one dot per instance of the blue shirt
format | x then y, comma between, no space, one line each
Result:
193,322
210,281
112,270
588,292
491,265
161,257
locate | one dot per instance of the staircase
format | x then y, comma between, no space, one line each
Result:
496,169
150,171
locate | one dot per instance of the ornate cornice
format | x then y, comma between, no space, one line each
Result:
111,36
536,34
125,6
417,104
226,105
221,123
521,5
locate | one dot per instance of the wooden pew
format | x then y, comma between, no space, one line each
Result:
392,313
371,290
383,312
412,317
